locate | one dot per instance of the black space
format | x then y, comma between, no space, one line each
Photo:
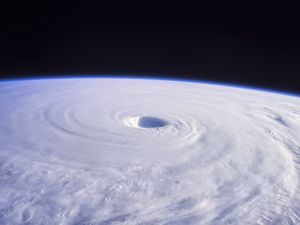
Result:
256,45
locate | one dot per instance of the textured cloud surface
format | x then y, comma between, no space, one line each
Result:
125,151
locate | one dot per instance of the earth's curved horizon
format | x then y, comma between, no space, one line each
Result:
261,88
111,150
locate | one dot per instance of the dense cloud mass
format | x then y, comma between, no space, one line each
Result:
129,151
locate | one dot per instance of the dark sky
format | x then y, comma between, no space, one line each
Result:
256,45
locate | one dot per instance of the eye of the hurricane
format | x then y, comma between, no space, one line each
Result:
151,122
146,122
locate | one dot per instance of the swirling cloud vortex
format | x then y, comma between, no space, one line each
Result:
130,151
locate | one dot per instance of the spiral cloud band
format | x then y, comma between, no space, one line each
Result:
135,151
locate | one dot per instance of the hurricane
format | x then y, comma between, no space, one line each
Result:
144,151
